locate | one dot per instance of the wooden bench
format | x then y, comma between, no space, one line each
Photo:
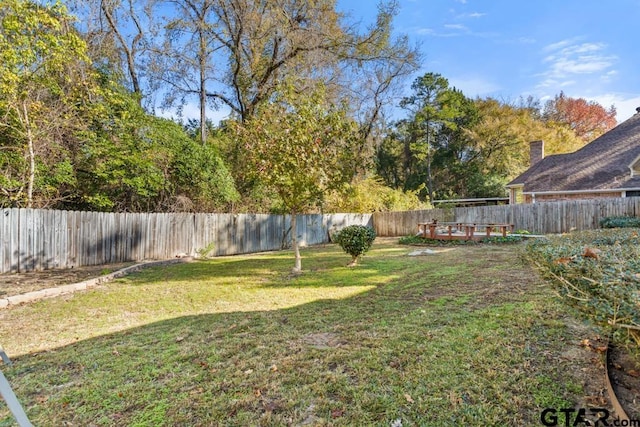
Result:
461,230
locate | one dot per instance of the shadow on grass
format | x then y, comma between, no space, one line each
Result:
396,351
200,370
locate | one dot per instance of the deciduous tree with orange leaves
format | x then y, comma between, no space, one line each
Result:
588,119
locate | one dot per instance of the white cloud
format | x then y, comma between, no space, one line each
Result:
425,31
559,45
453,30
472,15
625,105
455,27
568,59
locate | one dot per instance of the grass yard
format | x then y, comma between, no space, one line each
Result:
467,336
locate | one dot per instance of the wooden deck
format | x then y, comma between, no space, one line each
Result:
462,231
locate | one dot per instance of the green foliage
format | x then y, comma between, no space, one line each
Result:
599,271
355,240
44,82
463,148
298,146
500,239
137,162
620,222
419,240
372,195
206,251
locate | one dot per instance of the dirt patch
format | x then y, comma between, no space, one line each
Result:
20,283
322,340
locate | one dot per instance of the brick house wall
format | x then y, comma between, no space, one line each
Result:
571,196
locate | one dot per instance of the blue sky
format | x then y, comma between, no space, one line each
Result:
511,48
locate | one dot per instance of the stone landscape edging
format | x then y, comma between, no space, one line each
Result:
30,297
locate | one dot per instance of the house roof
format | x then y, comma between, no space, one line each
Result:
603,164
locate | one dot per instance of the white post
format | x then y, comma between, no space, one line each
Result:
12,402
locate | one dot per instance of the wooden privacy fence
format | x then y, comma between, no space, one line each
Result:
35,239
538,218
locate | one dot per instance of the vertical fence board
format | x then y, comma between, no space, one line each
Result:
5,240
38,239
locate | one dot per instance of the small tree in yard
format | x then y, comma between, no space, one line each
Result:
355,240
297,146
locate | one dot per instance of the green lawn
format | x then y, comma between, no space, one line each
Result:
468,336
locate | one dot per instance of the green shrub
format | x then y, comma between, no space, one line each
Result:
500,239
355,240
620,222
598,271
372,195
419,240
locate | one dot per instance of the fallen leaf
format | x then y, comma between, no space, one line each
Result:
596,401
454,399
600,349
179,339
591,253
196,391
585,343
203,364
408,397
563,261
248,371
633,373
273,368
257,392
337,413
115,352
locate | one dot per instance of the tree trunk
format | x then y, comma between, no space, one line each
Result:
294,242
203,92
32,157
429,178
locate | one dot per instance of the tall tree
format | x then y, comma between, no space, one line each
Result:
296,146
587,119
432,107
255,45
44,77
502,135
375,84
119,34
186,59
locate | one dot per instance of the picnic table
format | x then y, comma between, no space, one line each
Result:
461,230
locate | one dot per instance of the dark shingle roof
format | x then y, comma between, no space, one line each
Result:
602,164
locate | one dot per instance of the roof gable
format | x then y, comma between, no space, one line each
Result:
605,163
